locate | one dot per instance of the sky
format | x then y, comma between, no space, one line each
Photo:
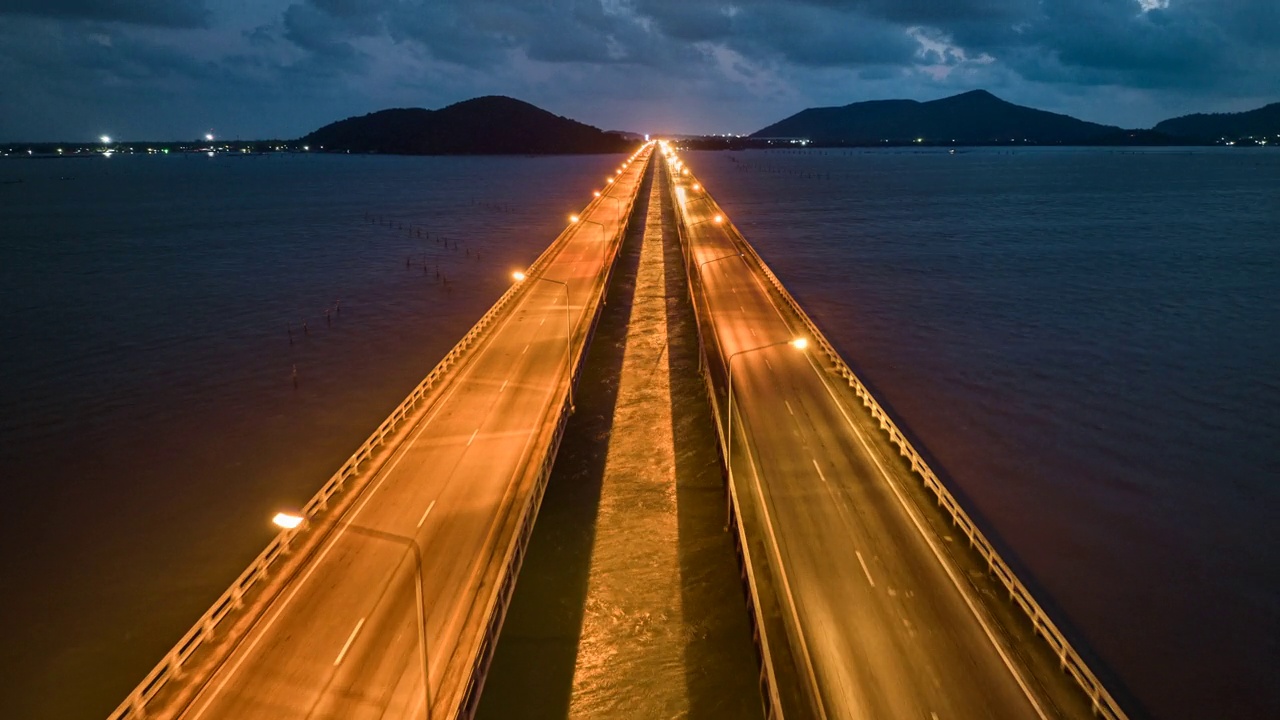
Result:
72,70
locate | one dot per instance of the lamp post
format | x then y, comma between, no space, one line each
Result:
604,242
717,219
568,327
617,207
797,343
290,521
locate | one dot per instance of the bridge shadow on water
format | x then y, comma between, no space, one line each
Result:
721,668
532,675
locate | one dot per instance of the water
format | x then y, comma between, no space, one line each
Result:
1086,341
149,425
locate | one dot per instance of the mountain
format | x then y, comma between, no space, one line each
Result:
972,117
1263,122
492,125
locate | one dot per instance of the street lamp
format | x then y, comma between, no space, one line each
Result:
617,206
289,521
715,259
717,219
604,242
568,327
799,344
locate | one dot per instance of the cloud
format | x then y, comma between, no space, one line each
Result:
159,13
285,66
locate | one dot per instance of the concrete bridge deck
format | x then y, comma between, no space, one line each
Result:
868,606
438,525
883,613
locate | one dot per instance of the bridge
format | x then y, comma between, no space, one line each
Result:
385,594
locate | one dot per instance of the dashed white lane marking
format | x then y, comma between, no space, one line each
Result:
350,639
793,412
815,467
425,514
863,563
541,322
504,385
753,332
766,362
473,437
525,350
1035,704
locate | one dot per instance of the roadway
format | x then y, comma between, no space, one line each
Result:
341,639
885,626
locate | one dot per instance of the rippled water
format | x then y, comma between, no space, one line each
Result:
149,424
1087,342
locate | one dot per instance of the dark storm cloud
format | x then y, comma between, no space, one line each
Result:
817,36
161,13
1188,44
748,62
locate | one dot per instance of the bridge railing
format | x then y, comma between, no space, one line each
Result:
1069,659
171,666
770,687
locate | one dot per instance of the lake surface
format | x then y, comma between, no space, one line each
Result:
1088,342
1085,340
149,424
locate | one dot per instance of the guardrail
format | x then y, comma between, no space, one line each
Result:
769,688
134,705
1069,659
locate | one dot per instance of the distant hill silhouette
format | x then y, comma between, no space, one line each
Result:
974,117
491,125
1263,122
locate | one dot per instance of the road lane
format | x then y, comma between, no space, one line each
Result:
341,641
888,629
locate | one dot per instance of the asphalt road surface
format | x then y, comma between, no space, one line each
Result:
341,640
887,628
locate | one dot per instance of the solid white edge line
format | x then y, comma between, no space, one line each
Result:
781,571
946,567
383,474
822,376
350,639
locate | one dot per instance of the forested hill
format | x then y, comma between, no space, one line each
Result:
492,125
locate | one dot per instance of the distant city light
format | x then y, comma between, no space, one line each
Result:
106,139
208,136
